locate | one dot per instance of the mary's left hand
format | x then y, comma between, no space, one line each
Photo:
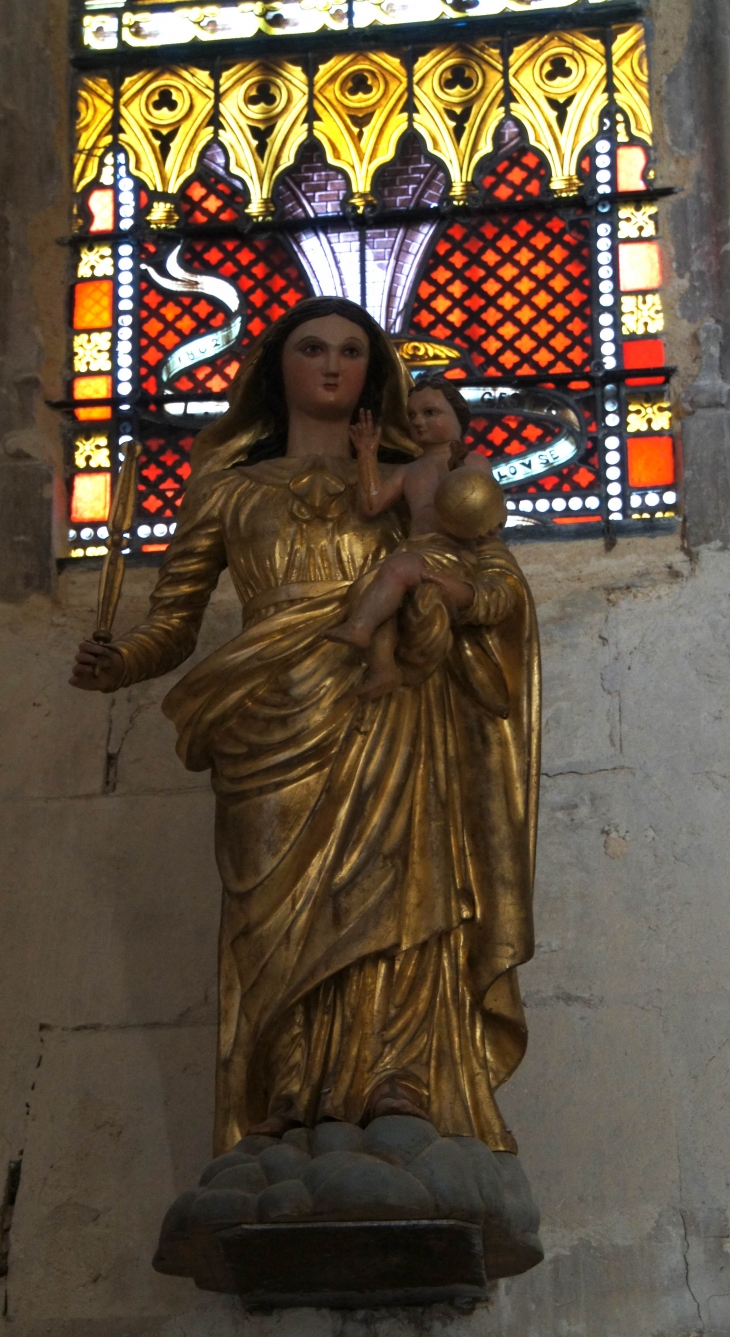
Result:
458,595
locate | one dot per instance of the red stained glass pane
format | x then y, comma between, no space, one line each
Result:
90,498
508,435
164,468
511,435
640,265
644,353
93,305
651,461
212,197
269,282
512,293
520,175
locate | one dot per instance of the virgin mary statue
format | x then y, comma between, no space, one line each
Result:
376,855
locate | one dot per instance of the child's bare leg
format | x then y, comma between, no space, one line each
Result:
401,572
383,672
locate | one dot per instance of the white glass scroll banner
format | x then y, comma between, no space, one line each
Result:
546,408
108,24
206,346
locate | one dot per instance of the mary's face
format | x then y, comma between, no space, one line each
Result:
324,364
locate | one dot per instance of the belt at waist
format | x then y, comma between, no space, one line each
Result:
303,589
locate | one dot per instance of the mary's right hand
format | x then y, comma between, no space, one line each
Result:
97,668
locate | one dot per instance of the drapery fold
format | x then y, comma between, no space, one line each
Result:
351,833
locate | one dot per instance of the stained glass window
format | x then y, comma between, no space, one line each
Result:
477,173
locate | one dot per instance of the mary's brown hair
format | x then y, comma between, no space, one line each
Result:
257,409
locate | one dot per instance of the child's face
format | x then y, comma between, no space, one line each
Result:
432,419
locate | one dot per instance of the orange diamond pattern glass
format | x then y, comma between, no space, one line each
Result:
511,292
265,274
93,305
164,468
651,461
91,498
521,175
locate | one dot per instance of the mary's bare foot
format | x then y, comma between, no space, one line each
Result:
350,634
275,1126
381,683
393,1097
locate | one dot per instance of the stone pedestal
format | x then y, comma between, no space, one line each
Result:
344,1218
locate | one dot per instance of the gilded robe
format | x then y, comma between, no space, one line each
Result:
376,857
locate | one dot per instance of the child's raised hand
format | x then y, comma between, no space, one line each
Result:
365,436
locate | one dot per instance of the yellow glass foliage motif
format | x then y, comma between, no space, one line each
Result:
95,106
420,353
92,351
92,452
637,221
631,79
163,214
263,120
651,416
642,314
458,93
95,262
164,123
559,90
360,114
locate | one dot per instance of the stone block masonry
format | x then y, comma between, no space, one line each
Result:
107,993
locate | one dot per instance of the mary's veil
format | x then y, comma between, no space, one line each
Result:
249,418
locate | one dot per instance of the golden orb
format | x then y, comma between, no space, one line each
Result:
470,503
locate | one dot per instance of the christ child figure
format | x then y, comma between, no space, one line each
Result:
453,499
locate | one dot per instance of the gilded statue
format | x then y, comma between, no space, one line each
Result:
376,848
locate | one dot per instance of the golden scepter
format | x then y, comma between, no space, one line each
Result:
121,513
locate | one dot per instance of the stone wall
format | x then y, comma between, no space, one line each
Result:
108,924
109,891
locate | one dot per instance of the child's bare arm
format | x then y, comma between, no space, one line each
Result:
475,460
458,594
376,494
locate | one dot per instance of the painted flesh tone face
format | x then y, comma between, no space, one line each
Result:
432,419
324,365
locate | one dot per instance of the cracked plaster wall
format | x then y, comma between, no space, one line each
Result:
109,893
